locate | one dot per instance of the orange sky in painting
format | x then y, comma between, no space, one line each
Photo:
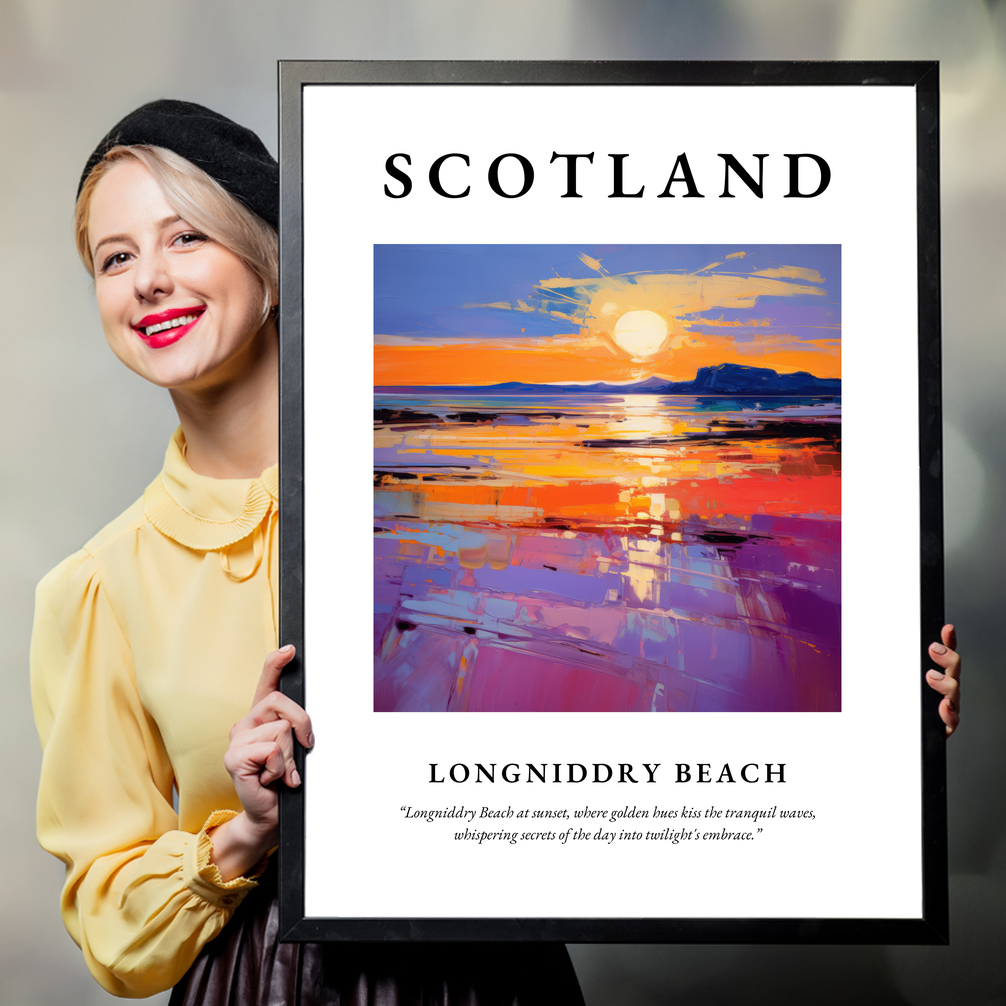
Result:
593,361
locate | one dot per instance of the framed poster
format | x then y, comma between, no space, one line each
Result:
586,345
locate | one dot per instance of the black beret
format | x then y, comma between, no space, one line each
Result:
231,154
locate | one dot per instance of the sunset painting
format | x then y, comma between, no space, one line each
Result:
607,478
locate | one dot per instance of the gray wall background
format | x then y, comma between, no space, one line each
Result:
82,436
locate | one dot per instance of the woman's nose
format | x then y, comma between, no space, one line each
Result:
152,277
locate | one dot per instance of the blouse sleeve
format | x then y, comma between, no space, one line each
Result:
141,898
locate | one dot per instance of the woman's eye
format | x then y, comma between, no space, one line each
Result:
190,238
114,261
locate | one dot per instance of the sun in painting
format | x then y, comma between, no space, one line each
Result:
640,333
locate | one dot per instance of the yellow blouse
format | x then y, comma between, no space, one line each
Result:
147,647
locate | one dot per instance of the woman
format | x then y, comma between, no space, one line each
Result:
148,643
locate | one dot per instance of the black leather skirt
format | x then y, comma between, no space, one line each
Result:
246,965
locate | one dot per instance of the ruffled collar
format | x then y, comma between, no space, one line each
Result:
203,513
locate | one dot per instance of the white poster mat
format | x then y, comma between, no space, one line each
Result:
858,770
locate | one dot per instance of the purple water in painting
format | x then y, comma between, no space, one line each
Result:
748,626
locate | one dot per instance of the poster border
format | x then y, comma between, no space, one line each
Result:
933,925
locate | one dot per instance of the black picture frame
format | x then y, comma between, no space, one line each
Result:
931,926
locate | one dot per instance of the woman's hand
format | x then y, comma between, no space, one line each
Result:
260,753
947,682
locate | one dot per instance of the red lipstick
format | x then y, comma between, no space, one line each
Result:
166,327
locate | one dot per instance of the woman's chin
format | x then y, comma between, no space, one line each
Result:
197,365
172,374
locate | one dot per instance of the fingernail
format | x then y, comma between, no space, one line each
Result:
287,649
295,777
310,740
936,676
938,648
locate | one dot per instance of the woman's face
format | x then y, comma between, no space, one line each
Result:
177,308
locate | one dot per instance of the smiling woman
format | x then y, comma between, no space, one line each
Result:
154,665
166,243
158,279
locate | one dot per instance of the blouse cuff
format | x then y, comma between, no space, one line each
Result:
202,876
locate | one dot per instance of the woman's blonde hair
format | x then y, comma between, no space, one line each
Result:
200,201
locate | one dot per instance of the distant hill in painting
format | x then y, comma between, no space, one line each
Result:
725,379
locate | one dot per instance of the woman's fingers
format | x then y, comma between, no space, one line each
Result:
947,686
261,749
945,655
270,703
947,680
274,735
277,706
949,636
271,671
258,761
274,766
949,712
